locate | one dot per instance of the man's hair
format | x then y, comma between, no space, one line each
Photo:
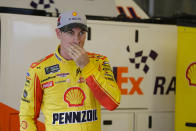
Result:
69,27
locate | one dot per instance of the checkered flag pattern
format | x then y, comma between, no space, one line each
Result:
43,4
139,58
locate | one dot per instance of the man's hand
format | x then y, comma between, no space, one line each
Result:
78,54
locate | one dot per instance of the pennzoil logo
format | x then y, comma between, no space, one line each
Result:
72,117
74,96
191,74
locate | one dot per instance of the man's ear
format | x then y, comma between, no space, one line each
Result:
58,33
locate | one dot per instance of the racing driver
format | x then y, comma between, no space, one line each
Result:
69,85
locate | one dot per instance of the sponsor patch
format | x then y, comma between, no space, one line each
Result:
38,67
68,80
108,75
48,78
25,94
28,75
81,80
24,125
27,81
111,79
84,116
48,84
52,69
25,100
74,18
62,74
107,69
27,85
74,96
28,78
106,63
58,82
106,66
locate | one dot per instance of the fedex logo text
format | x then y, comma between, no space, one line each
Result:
162,85
118,71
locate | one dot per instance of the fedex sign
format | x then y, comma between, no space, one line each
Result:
118,71
161,86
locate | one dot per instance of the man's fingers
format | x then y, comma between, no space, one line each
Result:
78,48
78,54
74,50
72,54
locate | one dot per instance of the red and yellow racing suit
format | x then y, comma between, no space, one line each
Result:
69,97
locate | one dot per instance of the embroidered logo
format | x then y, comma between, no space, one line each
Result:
74,96
52,69
62,74
48,84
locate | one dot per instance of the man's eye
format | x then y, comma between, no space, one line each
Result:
70,32
82,32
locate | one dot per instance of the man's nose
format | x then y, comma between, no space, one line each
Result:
77,39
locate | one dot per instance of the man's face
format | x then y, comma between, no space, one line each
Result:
75,36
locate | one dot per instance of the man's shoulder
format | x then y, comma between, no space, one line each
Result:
41,61
96,56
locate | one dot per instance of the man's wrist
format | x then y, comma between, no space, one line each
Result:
88,70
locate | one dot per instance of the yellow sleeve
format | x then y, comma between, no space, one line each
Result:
30,102
99,77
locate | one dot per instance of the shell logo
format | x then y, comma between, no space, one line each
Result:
74,96
74,14
191,74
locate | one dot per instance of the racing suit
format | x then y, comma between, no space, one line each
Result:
69,97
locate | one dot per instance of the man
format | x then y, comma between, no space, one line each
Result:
69,85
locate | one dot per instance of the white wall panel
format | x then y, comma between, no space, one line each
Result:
154,121
24,39
117,120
